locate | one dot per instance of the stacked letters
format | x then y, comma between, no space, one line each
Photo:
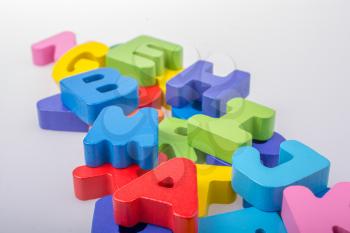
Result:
154,173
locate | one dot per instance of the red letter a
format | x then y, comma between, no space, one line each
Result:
165,196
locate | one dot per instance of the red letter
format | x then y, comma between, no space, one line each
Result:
165,196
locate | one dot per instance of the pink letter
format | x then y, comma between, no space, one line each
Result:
52,48
302,212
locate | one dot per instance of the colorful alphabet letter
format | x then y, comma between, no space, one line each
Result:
144,58
197,83
173,140
262,186
243,122
120,140
51,49
302,212
103,221
80,59
54,116
165,196
248,220
214,186
88,93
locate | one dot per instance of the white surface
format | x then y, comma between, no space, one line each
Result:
297,51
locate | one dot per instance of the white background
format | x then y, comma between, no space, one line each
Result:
298,53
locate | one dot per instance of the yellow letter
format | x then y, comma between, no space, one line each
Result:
214,186
80,59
